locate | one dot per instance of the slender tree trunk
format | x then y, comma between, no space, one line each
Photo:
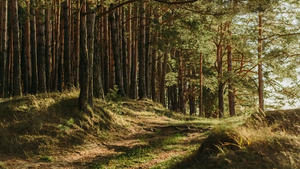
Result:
124,52
181,87
41,49
159,67
106,54
61,54
77,46
153,67
133,84
163,79
84,62
201,86
192,94
142,73
48,47
129,48
90,44
33,51
113,18
3,54
16,52
53,61
67,45
97,71
260,74
230,87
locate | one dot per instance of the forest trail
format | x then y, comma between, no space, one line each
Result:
152,142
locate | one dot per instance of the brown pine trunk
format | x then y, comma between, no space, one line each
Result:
33,51
142,38
220,74
201,86
106,54
90,43
124,52
16,50
97,71
3,46
163,79
60,53
133,84
159,67
84,62
230,87
77,47
129,48
260,75
40,38
67,45
181,85
192,94
48,47
53,61
117,58
153,67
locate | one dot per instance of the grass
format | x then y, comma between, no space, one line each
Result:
142,134
260,143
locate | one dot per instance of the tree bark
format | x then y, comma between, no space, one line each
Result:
77,46
153,67
16,50
67,45
3,54
84,62
260,74
142,73
48,47
41,49
201,86
97,71
90,44
133,84
106,54
230,87
124,52
113,18
33,47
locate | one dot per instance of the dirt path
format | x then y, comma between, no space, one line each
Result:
152,141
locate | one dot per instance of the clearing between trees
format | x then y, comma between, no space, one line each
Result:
48,131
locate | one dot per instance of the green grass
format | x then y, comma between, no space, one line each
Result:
140,154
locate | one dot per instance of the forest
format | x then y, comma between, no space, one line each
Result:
187,60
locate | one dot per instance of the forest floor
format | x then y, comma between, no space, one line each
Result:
48,131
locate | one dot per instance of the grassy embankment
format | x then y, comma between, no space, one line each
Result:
48,131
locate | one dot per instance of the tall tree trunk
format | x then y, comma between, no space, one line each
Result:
106,54
61,54
33,47
27,46
53,61
147,52
77,47
48,47
142,73
3,54
201,86
124,52
84,62
153,67
260,74
230,87
192,94
220,73
113,18
41,49
181,85
163,79
97,71
90,44
129,48
133,85
16,52
67,45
